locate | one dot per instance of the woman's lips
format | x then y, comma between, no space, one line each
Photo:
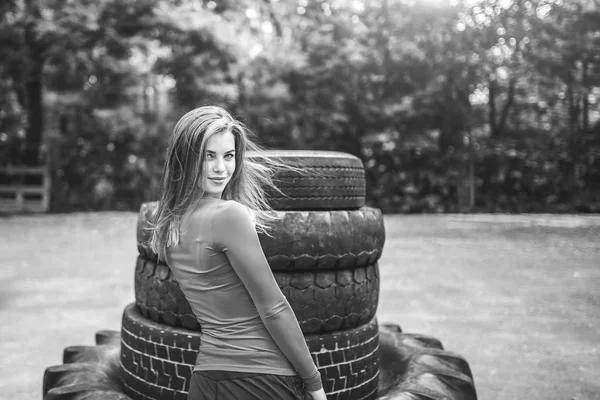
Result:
218,180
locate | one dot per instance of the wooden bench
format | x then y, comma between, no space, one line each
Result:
16,197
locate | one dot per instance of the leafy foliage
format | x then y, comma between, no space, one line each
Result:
487,105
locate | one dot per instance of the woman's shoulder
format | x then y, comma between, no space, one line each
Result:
208,209
234,212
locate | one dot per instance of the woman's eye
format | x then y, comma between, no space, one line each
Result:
229,156
209,156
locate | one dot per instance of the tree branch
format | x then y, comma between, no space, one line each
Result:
274,18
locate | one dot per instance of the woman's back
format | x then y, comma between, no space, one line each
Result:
234,338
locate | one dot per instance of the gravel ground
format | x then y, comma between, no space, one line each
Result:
516,295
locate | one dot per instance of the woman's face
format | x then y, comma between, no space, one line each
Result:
219,163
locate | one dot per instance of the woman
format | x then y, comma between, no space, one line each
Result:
212,202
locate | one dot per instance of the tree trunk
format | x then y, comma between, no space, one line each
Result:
573,104
586,103
33,88
510,96
385,33
35,112
352,141
497,127
492,107
471,171
452,117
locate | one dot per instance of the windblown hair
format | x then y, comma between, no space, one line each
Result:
184,169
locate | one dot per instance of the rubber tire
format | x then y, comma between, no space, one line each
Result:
323,301
88,372
157,360
411,366
85,391
313,240
416,367
305,240
329,181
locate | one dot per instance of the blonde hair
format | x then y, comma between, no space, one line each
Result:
183,169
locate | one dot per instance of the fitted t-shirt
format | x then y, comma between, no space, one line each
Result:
247,323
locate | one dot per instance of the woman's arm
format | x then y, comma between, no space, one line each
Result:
234,233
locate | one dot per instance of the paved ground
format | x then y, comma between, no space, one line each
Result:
517,296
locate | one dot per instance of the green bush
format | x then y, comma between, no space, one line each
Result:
520,174
109,163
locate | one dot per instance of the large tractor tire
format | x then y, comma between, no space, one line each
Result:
323,301
305,240
87,372
416,367
157,360
411,367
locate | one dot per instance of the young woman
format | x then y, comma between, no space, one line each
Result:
211,205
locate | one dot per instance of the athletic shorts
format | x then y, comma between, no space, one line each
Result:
225,385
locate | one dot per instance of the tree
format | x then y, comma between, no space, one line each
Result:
53,45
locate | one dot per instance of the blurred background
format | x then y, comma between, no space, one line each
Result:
453,106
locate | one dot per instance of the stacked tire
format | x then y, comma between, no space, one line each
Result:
324,253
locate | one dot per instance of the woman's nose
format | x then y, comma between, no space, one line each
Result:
218,165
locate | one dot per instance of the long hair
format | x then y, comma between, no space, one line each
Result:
184,169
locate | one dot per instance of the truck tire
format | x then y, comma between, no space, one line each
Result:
305,240
157,360
323,301
329,181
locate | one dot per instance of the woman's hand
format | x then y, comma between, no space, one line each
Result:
318,395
